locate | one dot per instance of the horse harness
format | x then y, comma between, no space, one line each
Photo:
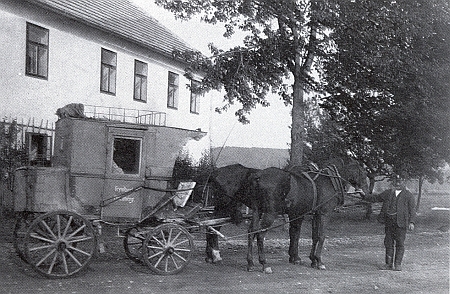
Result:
330,171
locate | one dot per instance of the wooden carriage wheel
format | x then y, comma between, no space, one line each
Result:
168,249
59,244
133,243
23,221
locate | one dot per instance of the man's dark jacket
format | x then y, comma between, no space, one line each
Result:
406,206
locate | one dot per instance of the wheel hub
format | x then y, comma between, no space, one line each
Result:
61,246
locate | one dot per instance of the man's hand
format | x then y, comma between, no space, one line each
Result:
361,193
411,226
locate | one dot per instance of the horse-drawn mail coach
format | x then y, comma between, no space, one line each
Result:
105,172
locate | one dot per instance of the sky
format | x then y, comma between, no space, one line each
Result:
269,126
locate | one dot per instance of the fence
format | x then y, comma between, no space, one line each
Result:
22,143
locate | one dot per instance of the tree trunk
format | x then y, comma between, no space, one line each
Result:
298,124
420,193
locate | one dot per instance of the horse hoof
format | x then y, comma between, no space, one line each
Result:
321,267
208,260
268,270
250,268
295,260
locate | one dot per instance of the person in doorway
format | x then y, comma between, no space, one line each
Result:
398,213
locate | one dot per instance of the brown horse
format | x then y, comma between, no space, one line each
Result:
297,192
318,193
231,186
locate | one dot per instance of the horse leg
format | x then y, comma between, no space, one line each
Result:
267,220
318,237
251,237
294,235
212,247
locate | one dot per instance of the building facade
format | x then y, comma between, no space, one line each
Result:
107,55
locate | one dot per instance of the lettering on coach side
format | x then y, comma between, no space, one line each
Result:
124,190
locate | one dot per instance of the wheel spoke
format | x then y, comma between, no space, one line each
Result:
156,254
63,257
76,231
50,269
179,256
48,229
58,225
67,226
170,234
79,250
166,266
157,240
174,262
45,257
181,242
183,249
42,247
159,260
73,257
39,237
176,237
80,239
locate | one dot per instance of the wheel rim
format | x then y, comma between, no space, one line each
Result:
133,243
168,249
60,244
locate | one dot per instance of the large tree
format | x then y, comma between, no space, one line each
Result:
284,39
390,89
382,66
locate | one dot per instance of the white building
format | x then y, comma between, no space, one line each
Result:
105,53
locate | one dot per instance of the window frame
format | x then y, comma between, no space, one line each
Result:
138,164
194,100
140,80
35,71
173,90
111,71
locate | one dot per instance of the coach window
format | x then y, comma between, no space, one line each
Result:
126,156
37,51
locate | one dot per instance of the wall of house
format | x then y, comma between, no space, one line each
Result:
74,71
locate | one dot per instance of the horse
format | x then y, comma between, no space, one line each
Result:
230,186
318,193
296,192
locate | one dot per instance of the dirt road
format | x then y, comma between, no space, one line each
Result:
353,252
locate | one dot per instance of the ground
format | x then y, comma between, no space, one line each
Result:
353,252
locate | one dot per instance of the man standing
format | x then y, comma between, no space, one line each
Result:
398,213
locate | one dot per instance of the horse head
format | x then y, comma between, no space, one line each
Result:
355,175
231,188
269,187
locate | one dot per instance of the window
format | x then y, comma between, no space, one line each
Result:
195,97
37,51
140,81
38,148
108,72
172,91
126,156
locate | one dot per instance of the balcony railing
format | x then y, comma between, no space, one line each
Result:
126,115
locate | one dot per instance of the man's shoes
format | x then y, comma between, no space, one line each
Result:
386,267
397,268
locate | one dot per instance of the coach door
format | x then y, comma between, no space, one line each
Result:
124,172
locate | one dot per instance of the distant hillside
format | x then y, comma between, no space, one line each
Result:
251,157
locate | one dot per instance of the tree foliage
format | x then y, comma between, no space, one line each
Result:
388,83
382,67
283,38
